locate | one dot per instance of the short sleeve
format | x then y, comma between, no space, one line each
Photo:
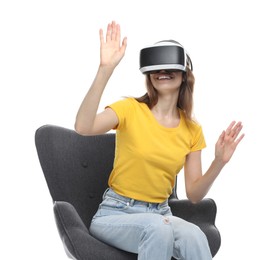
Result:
198,142
122,108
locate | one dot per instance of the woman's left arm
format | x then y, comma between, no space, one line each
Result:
198,185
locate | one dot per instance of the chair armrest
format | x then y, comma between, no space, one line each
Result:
203,214
78,242
197,213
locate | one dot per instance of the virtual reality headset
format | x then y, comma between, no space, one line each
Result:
164,55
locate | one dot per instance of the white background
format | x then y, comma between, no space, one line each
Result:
48,58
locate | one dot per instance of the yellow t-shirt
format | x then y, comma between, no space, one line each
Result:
148,156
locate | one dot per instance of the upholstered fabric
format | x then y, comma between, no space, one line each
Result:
76,169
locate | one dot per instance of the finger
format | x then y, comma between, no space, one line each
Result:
234,131
114,31
237,129
108,32
124,44
101,36
118,33
229,128
239,139
221,138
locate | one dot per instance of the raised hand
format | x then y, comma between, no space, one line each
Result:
228,142
112,50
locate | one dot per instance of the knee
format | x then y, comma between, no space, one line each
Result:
195,237
196,233
192,244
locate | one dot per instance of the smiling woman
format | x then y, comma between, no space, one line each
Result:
155,138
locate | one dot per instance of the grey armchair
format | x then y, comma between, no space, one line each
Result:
76,169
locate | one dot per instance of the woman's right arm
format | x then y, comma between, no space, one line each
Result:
88,122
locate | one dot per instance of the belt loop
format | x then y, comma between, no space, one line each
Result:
131,203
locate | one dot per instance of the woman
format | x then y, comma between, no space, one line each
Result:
155,138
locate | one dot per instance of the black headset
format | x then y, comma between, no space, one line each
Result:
164,55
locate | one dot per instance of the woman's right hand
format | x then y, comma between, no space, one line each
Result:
111,50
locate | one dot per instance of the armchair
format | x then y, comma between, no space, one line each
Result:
76,169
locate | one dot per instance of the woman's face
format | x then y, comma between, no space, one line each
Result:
167,80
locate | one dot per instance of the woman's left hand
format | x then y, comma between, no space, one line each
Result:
228,142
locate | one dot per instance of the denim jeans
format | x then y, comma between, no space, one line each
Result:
147,229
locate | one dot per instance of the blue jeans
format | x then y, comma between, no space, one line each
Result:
147,229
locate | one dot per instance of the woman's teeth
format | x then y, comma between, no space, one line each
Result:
164,77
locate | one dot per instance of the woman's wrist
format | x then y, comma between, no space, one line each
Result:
218,163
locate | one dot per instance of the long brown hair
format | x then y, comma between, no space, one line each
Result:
185,96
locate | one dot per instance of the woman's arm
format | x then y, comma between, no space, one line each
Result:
198,185
88,122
